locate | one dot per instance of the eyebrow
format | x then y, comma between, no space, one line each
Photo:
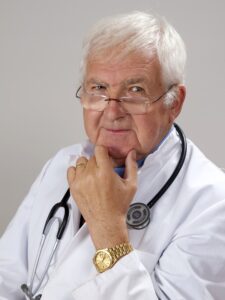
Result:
96,80
135,80
126,82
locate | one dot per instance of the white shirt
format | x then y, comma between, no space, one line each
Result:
180,255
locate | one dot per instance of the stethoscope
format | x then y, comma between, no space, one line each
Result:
138,217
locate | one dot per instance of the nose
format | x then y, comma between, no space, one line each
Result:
114,109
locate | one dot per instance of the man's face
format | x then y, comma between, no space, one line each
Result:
116,129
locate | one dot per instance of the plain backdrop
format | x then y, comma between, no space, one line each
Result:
40,50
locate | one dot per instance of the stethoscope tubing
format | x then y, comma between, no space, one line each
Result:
30,291
138,214
176,170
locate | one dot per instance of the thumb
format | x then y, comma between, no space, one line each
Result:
131,166
71,174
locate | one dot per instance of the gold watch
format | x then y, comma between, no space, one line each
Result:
104,259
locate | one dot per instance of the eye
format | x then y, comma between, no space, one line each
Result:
98,87
136,89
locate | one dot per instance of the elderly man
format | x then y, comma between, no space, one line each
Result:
135,162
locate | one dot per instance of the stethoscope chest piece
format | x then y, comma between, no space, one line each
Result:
138,216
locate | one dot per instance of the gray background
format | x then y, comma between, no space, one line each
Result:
40,49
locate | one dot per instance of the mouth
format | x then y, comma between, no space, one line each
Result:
117,131
118,141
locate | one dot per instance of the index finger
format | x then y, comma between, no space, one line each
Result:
131,167
102,156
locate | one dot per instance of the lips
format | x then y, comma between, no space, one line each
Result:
117,131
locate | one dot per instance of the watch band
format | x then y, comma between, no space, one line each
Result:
105,259
119,251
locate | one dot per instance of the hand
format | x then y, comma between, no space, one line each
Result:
103,197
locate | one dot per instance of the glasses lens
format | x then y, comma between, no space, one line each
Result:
134,107
94,102
131,105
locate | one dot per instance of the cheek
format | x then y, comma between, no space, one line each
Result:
145,138
144,124
91,121
149,132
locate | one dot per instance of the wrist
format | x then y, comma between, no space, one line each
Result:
107,236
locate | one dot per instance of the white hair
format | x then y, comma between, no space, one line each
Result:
139,32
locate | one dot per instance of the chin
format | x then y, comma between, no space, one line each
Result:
116,153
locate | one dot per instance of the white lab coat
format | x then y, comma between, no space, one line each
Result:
180,255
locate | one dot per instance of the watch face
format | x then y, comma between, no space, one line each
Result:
103,260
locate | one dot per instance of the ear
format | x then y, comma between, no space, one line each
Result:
176,106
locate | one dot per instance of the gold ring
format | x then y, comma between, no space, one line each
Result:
80,164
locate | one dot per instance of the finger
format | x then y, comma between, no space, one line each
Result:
92,162
71,175
81,164
131,166
102,156
81,161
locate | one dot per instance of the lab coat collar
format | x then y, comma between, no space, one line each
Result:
158,167
163,150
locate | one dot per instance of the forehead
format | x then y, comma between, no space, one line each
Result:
134,68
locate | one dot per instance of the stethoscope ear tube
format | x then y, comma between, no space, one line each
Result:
51,219
62,204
